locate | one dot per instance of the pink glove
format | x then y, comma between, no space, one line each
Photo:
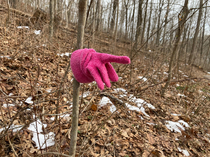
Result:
88,65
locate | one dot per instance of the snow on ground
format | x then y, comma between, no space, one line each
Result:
176,126
85,94
185,152
13,127
138,102
42,140
5,57
141,77
8,105
29,100
65,54
37,32
21,27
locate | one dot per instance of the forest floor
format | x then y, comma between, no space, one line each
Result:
128,119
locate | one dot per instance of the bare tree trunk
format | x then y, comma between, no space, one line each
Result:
126,18
181,18
166,21
113,16
76,85
116,24
51,18
144,24
203,35
139,23
98,14
161,2
93,23
88,11
149,23
192,54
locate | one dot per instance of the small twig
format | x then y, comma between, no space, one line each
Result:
12,147
55,153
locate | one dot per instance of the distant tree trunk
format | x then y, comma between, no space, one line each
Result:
109,16
154,22
122,15
166,21
116,23
93,23
139,23
88,11
76,85
66,15
203,35
98,14
149,23
144,23
192,54
59,7
126,17
13,3
113,16
181,21
161,3
69,10
51,18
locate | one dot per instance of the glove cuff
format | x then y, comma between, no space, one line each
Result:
79,61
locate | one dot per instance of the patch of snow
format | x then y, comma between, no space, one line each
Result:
120,90
112,108
138,109
49,90
165,73
185,152
176,126
208,73
13,127
29,100
10,94
85,94
150,50
141,77
8,57
104,101
21,27
65,54
37,32
8,105
181,95
185,75
151,123
140,102
174,114
42,140
184,123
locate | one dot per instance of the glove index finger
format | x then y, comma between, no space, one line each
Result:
106,58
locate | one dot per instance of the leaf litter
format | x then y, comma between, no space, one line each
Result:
147,124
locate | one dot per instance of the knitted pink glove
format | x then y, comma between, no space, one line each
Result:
88,65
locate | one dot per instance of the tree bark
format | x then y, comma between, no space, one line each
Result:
182,18
139,23
149,23
144,23
161,2
113,16
192,54
98,15
52,14
76,85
